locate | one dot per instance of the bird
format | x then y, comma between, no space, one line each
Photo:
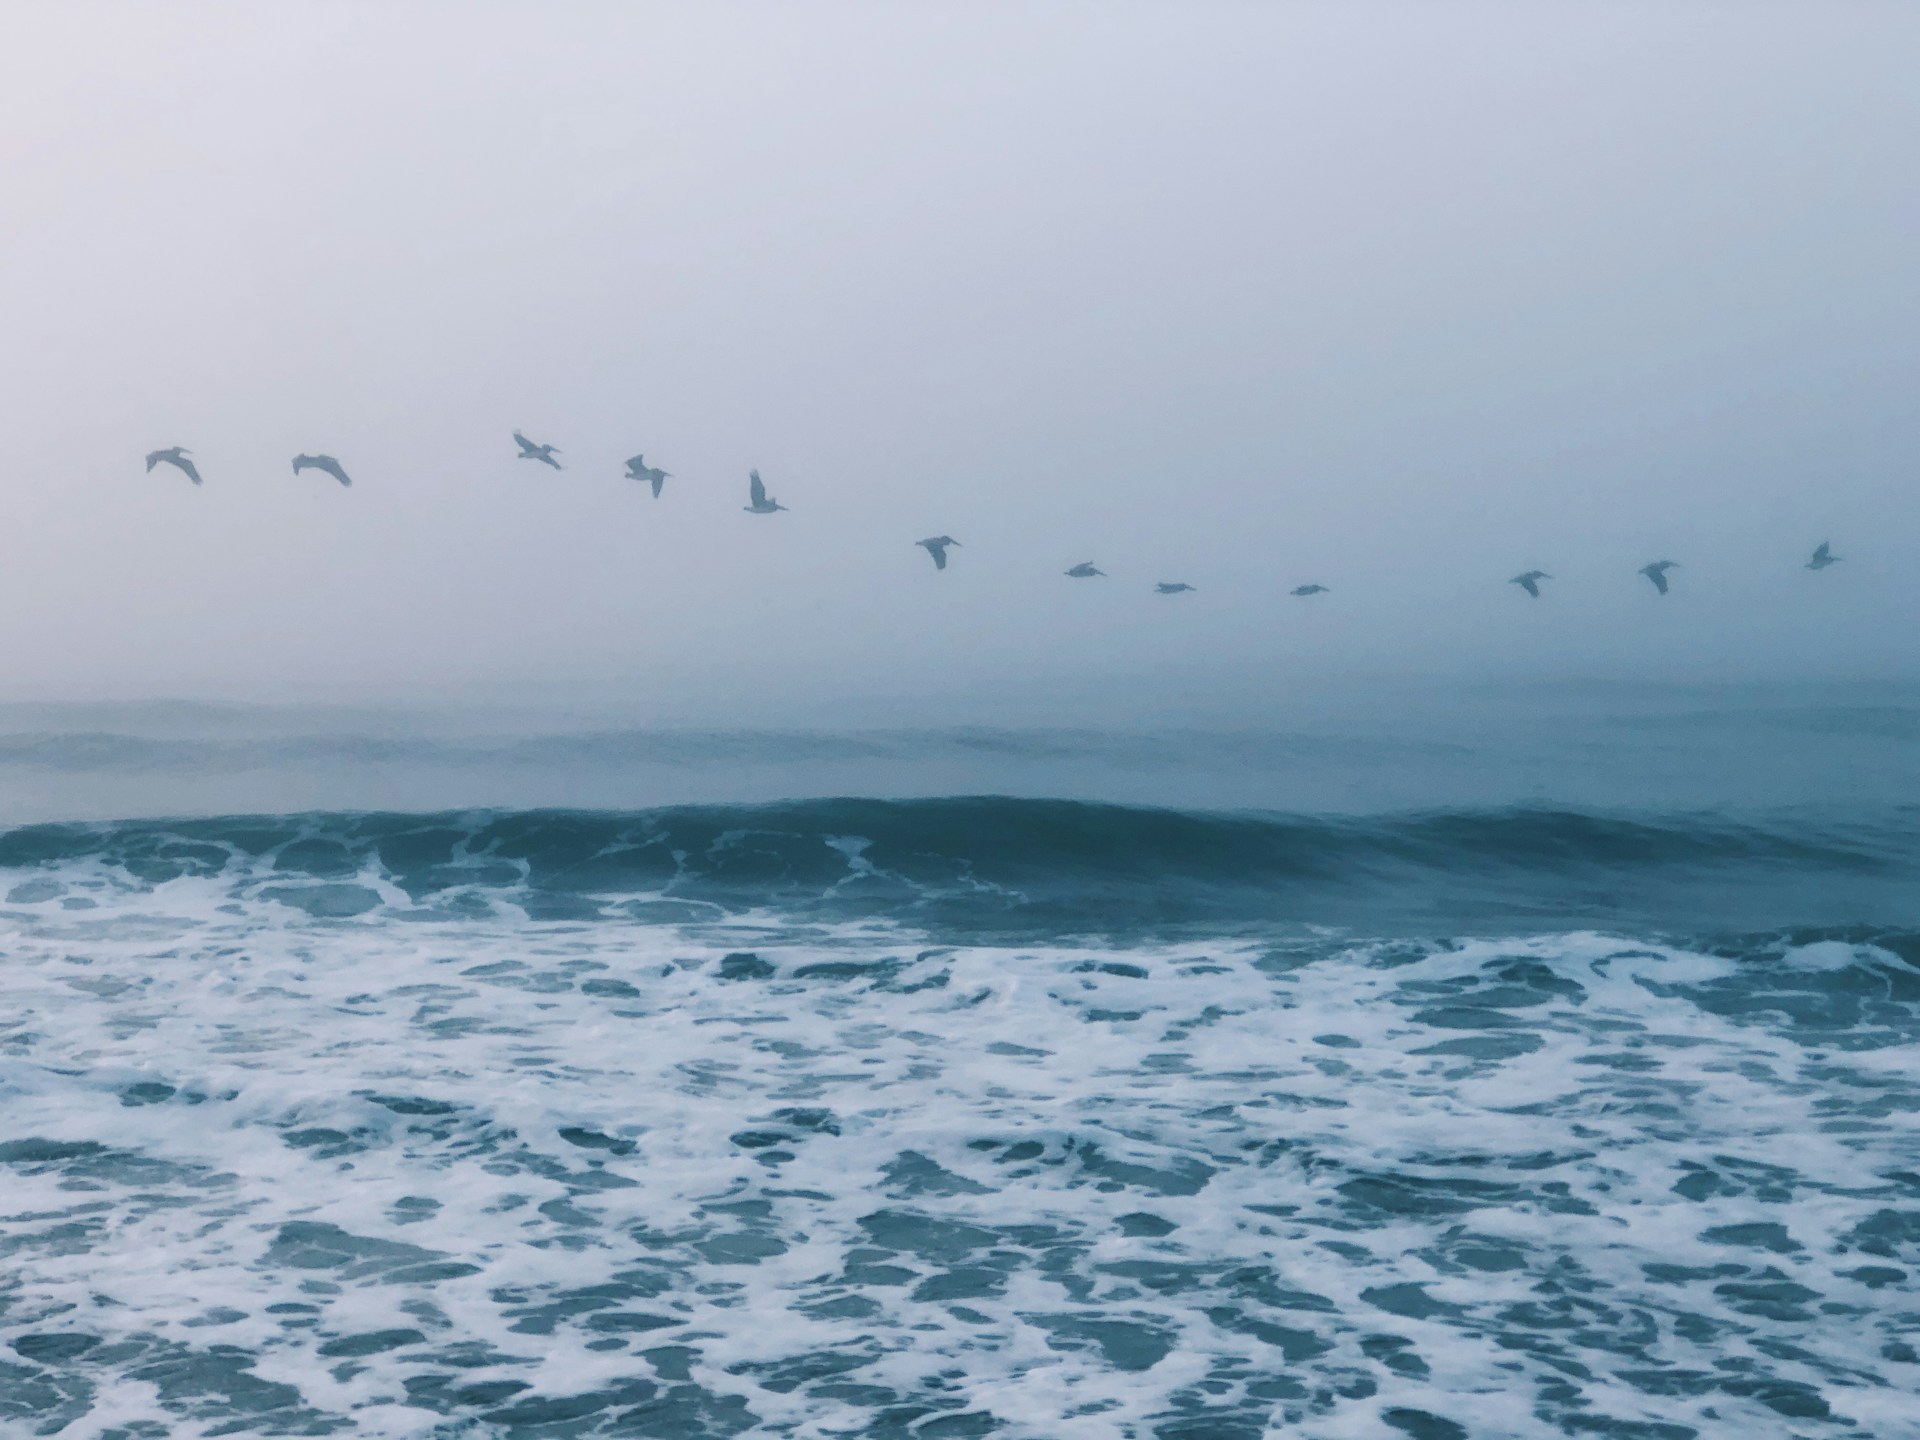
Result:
937,548
757,493
1309,590
1172,587
177,456
321,462
1823,557
1657,573
530,451
638,469
1085,570
1530,582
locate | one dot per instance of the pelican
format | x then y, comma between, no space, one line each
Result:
1823,557
1657,573
176,456
530,451
1172,587
937,547
321,462
638,469
757,492
1085,570
1530,582
1309,590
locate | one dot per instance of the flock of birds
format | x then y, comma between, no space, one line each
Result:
761,503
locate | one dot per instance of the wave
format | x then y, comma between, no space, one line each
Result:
1040,866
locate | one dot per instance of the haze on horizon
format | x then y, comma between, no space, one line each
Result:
1400,299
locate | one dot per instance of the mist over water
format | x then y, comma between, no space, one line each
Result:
1402,303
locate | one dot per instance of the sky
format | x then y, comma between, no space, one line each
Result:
1401,299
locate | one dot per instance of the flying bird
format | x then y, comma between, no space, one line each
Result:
1172,587
638,469
937,548
1309,589
1823,557
1657,573
1530,582
1084,570
177,456
321,462
530,451
757,493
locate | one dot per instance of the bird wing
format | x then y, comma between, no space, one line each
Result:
756,488
333,468
658,478
1658,577
1528,584
186,465
1822,552
154,459
527,447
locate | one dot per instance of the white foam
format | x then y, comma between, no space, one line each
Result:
1134,1090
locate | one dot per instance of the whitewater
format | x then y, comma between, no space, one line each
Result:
934,1119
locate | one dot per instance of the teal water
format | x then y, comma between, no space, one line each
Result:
1500,1094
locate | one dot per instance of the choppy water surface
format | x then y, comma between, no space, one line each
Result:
701,1125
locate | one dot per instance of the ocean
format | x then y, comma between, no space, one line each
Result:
1427,1075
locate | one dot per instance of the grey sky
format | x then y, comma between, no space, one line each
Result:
1404,299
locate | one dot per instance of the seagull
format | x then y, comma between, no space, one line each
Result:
1657,573
321,462
1084,570
638,469
1309,589
937,547
1530,582
530,451
176,456
1823,557
757,492
1172,587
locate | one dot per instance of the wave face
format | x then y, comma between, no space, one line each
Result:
1035,867
960,1118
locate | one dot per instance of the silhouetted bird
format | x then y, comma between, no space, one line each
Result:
321,462
176,456
530,451
1823,557
1530,582
1657,573
937,547
1084,570
1310,590
757,492
1172,587
638,469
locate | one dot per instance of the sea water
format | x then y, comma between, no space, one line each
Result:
962,1117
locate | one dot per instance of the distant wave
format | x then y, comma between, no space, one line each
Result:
1042,866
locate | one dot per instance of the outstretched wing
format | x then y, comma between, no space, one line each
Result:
1659,579
756,488
939,553
1528,584
527,447
1823,554
659,478
154,459
334,468
187,466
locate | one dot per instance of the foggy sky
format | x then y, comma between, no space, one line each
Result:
1400,299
